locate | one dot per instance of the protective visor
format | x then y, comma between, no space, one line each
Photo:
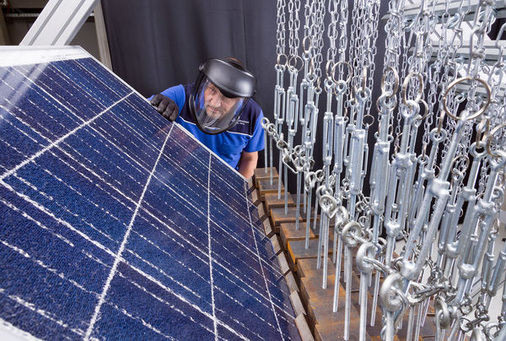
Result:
219,96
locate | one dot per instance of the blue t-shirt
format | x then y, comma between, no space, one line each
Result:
247,135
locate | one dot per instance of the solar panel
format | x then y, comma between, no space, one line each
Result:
116,224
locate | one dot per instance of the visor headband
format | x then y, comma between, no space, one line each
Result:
231,81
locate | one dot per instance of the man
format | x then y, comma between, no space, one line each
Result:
218,110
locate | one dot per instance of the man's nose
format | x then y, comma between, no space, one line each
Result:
216,101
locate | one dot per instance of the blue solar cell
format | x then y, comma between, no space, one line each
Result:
34,108
116,224
60,94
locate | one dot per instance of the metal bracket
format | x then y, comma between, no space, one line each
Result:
59,22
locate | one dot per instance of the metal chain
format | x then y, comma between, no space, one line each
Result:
373,13
316,14
453,63
411,198
293,27
280,28
332,34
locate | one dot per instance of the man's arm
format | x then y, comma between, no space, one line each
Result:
248,163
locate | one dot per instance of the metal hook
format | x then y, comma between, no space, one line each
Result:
365,252
489,140
350,232
307,39
499,35
350,71
329,205
278,60
476,114
465,157
405,85
483,126
295,59
442,312
395,83
391,291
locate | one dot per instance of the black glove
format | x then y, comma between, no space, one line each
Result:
165,106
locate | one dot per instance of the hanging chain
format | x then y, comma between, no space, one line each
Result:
280,29
293,27
436,176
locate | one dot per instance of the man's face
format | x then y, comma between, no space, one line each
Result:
216,104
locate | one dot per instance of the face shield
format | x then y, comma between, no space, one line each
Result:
220,94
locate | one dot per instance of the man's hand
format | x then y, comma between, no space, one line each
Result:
165,106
